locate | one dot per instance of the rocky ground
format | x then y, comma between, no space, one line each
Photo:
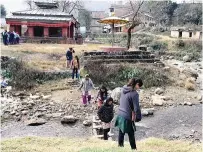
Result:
172,112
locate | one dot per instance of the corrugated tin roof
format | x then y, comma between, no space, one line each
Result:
44,18
54,12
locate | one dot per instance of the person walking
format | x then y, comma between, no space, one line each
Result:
11,38
17,38
86,86
106,114
69,56
128,112
75,65
101,96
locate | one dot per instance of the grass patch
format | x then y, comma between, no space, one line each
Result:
40,144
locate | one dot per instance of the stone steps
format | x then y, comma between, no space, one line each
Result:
119,57
123,60
97,129
116,53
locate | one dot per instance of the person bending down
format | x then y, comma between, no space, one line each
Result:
106,114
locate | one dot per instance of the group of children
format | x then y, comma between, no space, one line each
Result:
104,103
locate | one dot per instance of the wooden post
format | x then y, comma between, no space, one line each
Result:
46,32
30,31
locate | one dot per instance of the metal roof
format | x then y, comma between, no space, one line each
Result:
47,12
41,14
43,18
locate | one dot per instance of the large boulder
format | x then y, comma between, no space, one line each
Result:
158,100
36,122
69,119
116,94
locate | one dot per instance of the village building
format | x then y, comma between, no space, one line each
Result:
188,33
95,26
46,23
124,11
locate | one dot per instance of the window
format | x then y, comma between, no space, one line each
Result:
190,34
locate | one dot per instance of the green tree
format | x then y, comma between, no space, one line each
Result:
3,11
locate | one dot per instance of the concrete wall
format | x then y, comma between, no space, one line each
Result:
174,33
186,34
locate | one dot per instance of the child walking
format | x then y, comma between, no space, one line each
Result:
102,96
106,114
86,86
75,65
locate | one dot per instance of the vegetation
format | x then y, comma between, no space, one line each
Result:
39,144
3,11
24,77
192,48
117,75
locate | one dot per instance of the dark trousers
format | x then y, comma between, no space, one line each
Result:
106,133
131,139
75,72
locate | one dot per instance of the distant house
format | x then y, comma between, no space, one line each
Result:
124,11
183,32
95,26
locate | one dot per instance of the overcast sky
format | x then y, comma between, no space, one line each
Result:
16,5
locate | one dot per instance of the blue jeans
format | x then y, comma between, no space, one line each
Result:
75,72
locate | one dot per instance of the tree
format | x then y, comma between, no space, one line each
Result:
29,3
135,20
162,11
85,18
3,11
188,14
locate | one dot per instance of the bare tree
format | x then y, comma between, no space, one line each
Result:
29,3
70,5
135,20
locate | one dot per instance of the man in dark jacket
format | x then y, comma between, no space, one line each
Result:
128,112
69,56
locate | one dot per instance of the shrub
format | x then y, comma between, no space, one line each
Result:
120,74
23,77
157,45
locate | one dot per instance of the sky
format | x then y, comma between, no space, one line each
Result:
100,5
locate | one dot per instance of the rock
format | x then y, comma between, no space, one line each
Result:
147,112
159,91
87,122
56,115
46,97
116,93
69,119
188,103
166,68
36,122
24,112
35,97
166,98
171,57
157,100
199,98
187,58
